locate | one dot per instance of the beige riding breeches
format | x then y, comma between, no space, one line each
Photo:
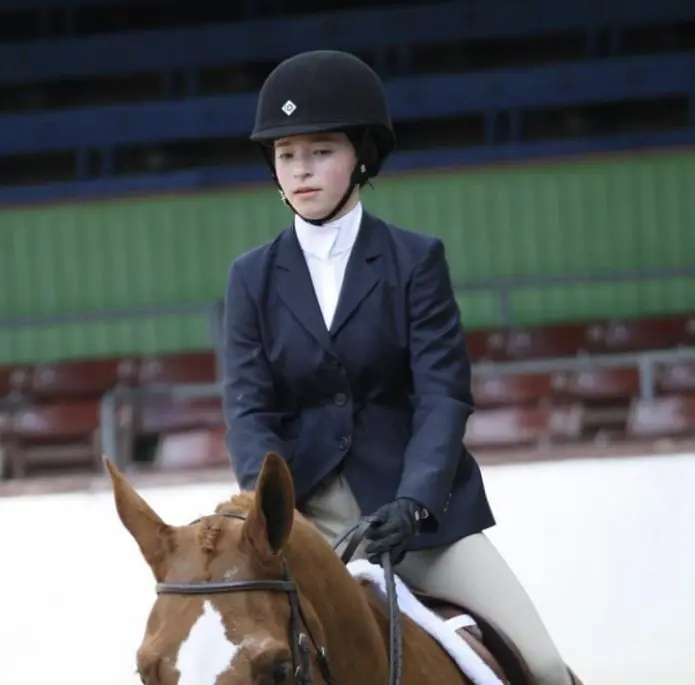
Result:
471,572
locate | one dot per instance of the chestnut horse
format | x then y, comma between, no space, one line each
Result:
254,594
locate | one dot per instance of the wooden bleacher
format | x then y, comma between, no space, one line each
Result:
50,421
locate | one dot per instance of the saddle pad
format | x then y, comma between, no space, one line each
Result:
444,632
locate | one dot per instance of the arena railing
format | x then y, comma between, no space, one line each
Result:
504,288
645,362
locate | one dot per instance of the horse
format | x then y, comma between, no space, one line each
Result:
253,593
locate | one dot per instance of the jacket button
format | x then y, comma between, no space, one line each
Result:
340,398
344,442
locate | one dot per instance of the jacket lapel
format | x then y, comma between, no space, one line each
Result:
360,275
296,289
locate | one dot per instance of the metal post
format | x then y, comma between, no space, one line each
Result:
110,446
646,378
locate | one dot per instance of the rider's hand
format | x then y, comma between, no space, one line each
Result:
395,524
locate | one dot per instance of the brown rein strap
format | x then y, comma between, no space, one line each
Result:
356,535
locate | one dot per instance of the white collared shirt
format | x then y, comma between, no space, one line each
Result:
327,249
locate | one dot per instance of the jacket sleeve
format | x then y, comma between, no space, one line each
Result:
250,404
442,385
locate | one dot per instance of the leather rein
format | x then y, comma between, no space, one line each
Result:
299,640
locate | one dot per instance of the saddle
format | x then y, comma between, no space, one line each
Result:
489,641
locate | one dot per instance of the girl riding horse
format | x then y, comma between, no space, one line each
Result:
344,353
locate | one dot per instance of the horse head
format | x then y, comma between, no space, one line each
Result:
249,594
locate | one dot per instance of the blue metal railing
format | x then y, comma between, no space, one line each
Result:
425,97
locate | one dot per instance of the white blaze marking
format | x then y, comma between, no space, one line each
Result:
207,651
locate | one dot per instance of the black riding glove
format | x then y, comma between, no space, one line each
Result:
395,525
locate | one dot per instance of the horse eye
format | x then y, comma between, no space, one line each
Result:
278,673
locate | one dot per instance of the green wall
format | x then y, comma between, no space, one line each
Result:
543,219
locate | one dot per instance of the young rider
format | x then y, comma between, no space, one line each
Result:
344,353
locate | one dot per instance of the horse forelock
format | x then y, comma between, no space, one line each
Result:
209,535
304,539
306,548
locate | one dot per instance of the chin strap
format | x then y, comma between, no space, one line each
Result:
356,179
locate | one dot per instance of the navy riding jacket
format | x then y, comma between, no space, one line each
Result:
384,395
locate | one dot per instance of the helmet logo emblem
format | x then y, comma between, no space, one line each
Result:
289,107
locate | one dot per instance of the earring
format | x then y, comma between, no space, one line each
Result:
283,197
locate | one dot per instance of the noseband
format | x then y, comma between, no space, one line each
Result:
299,640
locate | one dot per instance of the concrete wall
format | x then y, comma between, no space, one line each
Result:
606,549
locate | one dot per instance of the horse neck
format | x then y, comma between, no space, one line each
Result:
353,637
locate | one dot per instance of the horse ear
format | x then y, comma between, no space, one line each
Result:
269,524
154,537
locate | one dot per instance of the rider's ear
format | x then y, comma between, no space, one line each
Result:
269,524
154,537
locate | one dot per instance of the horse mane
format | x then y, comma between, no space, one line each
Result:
239,503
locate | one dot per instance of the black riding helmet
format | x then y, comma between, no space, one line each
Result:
322,91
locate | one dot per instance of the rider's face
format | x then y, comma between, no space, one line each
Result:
314,172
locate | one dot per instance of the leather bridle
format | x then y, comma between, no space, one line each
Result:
299,642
